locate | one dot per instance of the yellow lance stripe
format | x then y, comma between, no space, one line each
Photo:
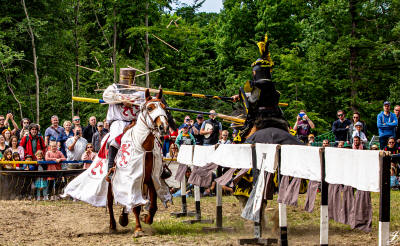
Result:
85,99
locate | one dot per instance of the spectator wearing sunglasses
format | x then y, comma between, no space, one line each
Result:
357,120
88,155
76,121
340,128
387,123
224,139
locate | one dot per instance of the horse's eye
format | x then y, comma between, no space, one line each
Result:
150,108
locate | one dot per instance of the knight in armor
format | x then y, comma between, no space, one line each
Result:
260,96
122,111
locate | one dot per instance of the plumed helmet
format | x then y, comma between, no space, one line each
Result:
262,66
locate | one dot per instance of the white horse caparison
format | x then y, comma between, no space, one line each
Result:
151,123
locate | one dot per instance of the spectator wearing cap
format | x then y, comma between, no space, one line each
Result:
359,133
340,127
387,123
185,137
53,131
33,142
186,121
98,136
195,130
90,129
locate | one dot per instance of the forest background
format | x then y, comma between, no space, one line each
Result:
328,55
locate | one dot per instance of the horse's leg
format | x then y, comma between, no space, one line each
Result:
138,227
153,204
123,218
110,201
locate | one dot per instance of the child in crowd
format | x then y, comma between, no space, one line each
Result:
374,147
7,156
53,155
16,157
41,184
394,182
358,132
88,155
224,139
30,167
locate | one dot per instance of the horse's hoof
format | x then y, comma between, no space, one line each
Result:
123,219
112,230
138,234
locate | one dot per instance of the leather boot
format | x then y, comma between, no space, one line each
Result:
112,152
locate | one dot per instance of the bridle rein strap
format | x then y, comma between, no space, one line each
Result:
145,114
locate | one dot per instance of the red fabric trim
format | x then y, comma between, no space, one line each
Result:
103,150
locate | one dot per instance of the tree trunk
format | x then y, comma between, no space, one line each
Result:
30,31
354,78
72,95
76,9
8,80
115,45
147,53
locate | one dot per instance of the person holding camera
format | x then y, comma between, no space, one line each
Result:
186,122
303,126
76,145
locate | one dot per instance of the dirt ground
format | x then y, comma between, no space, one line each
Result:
77,223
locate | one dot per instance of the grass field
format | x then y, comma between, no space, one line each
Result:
77,223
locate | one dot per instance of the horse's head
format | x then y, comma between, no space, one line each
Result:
155,114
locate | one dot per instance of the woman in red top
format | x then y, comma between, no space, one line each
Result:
33,142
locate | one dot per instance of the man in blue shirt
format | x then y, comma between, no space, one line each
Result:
387,123
53,131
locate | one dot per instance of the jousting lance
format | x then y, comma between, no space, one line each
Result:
178,93
222,116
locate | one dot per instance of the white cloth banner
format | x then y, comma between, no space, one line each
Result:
203,155
356,168
267,156
232,155
185,154
301,162
90,186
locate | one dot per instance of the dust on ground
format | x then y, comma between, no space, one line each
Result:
66,222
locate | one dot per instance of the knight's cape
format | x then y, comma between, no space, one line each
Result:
127,182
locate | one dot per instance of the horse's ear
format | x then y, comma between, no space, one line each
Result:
147,95
159,95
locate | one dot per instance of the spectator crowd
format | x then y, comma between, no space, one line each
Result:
74,142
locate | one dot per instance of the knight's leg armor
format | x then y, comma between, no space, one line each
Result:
112,152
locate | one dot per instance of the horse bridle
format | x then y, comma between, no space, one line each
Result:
146,114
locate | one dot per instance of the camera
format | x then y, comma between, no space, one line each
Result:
78,132
301,115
